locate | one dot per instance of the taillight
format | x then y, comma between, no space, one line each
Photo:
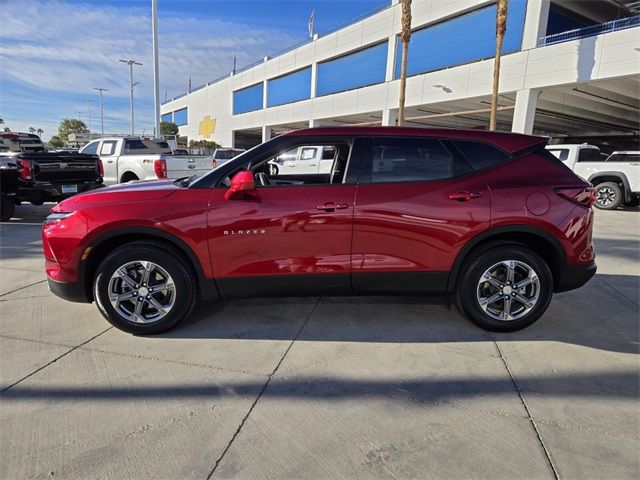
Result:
25,169
100,168
214,164
585,196
160,167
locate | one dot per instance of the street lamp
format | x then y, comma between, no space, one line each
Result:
101,109
132,85
156,74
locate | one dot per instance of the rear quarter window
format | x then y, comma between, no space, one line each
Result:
481,155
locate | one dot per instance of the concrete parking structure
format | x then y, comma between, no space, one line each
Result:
321,388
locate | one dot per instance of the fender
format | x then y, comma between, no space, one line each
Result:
206,286
620,176
502,229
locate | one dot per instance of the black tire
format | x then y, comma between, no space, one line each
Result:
468,287
609,196
171,261
7,208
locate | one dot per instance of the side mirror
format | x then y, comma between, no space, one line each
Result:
241,183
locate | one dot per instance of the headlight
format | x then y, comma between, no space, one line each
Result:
57,216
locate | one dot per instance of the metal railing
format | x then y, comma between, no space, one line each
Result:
386,4
612,26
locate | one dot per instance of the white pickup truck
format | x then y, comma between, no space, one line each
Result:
616,178
305,160
137,158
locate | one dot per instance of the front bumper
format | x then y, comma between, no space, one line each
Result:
575,277
71,291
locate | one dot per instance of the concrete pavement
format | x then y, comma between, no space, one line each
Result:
331,388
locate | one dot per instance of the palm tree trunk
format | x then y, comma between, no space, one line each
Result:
501,28
405,36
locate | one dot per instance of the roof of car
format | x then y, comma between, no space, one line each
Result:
511,142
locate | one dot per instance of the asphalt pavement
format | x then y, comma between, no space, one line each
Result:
308,388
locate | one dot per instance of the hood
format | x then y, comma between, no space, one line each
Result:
122,193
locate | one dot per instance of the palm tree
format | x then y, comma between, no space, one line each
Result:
501,28
32,130
405,36
1,121
40,132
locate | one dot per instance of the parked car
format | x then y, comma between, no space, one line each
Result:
223,155
305,160
32,174
616,178
126,159
491,221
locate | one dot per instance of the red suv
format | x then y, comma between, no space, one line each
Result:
491,221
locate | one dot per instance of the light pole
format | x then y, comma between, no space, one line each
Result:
89,110
156,73
101,109
132,85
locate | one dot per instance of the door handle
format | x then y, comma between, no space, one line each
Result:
332,206
464,196
109,161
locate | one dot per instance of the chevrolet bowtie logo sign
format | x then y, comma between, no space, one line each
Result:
207,126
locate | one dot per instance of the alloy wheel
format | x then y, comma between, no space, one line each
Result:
508,290
142,291
605,196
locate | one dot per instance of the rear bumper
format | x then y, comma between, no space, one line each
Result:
575,277
71,291
48,192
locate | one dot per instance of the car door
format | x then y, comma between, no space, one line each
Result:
418,203
107,152
290,236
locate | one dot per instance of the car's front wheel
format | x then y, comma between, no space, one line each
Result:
505,288
144,288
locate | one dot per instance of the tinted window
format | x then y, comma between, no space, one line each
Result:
91,149
589,155
560,153
481,155
410,160
308,153
146,146
624,157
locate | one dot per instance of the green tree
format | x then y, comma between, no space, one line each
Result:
32,130
203,144
56,142
71,125
40,132
168,128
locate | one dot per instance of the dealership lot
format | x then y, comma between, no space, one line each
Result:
330,388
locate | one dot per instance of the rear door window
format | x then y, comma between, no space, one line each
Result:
108,147
412,160
560,153
481,155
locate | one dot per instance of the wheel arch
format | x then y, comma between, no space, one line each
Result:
618,177
107,242
540,241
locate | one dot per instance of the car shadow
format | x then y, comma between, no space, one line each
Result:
594,316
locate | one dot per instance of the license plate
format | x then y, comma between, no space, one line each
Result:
69,188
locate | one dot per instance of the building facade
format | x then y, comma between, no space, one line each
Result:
571,69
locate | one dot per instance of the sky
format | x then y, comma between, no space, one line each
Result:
54,52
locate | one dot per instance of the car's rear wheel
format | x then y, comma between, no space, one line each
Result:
144,288
608,196
505,288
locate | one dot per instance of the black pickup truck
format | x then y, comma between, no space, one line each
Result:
31,174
